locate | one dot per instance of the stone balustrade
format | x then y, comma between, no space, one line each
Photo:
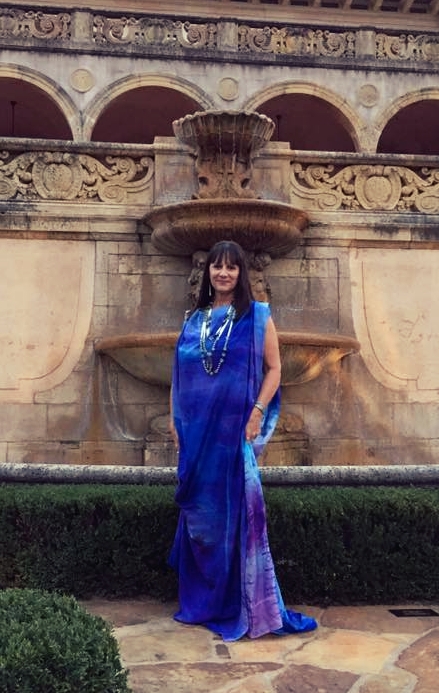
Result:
41,171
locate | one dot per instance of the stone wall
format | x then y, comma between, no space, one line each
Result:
75,272
78,265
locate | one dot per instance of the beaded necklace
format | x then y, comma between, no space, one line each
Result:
207,353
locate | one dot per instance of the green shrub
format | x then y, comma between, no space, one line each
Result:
88,539
329,544
48,643
355,545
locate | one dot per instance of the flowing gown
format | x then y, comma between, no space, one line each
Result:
221,553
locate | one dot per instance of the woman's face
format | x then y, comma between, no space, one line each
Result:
224,277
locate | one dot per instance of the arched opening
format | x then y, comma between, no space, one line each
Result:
27,111
308,122
138,115
413,130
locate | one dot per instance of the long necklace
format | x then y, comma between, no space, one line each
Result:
207,352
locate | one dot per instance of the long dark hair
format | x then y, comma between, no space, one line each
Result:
233,253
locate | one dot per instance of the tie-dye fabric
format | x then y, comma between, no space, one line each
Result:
227,580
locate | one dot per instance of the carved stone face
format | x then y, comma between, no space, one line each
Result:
199,259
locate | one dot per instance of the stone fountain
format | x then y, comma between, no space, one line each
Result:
226,207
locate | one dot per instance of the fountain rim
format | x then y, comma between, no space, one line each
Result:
134,340
300,217
219,112
225,201
170,223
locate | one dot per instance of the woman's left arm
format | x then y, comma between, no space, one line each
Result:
270,383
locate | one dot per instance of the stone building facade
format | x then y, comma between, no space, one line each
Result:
88,96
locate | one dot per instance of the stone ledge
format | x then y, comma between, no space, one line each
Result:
396,475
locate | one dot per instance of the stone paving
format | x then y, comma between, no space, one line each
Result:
356,649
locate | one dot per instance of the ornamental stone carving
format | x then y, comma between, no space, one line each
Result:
141,32
148,31
19,23
368,95
407,47
290,40
68,176
287,40
365,187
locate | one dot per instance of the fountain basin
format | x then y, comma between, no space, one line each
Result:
149,357
257,225
241,133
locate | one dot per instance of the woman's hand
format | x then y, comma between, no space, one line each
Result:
174,434
253,428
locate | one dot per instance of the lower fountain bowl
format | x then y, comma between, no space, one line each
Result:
149,357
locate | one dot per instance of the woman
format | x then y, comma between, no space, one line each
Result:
224,407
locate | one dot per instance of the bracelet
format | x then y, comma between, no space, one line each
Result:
260,406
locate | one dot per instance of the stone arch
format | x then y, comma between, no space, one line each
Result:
55,102
195,98
416,113
344,116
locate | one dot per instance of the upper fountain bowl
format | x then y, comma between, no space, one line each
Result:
241,133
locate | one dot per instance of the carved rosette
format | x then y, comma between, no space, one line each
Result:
57,179
365,187
68,176
380,189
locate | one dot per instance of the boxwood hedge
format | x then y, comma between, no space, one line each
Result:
330,544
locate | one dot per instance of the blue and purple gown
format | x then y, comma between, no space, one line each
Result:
221,553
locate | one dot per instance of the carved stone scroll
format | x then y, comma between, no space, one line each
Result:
365,186
288,40
19,23
68,176
149,31
293,41
407,47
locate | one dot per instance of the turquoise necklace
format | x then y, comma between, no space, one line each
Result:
207,351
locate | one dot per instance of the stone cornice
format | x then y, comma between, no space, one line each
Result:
297,15
182,37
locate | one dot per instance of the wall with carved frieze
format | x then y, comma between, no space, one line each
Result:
78,264
367,74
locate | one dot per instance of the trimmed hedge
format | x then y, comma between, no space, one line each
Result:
87,539
356,545
330,544
49,643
